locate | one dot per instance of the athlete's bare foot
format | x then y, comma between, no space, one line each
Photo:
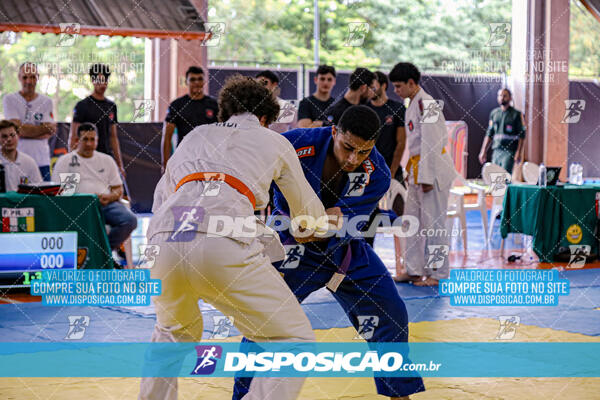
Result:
405,277
427,282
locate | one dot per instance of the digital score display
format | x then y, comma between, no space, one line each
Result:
37,251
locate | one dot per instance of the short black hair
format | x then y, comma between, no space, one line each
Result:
505,89
361,121
361,76
404,71
270,75
99,69
382,78
86,127
194,70
326,69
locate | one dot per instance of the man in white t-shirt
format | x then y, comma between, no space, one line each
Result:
98,174
18,166
32,113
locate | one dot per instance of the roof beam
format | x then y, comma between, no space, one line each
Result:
102,30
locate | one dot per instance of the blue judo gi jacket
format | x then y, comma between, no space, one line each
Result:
311,145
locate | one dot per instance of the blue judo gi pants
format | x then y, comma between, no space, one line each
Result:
367,290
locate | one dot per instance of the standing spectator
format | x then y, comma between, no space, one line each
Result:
431,172
311,111
392,138
101,112
99,174
32,114
361,89
391,141
18,166
507,132
286,119
188,111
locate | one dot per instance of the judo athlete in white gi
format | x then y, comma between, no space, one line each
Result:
431,173
222,171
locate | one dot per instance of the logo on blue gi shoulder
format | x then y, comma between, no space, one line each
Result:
207,359
358,183
186,223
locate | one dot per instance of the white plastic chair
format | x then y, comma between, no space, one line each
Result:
396,188
490,172
386,203
456,210
531,171
480,205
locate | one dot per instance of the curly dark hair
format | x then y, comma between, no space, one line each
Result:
242,94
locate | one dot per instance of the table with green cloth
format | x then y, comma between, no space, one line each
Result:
556,216
80,213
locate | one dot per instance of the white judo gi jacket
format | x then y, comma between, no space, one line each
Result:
429,162
256,156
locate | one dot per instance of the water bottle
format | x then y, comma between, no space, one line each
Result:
572,173
579,174
542,181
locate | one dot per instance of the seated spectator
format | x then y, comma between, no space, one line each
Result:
32,113
99,174
18,166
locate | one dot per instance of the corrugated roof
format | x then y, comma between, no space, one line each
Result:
146,18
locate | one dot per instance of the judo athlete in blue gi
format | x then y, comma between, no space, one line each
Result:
346,171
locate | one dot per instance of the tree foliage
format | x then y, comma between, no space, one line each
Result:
64,70
437,35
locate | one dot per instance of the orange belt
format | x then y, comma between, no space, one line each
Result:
413,163
220,177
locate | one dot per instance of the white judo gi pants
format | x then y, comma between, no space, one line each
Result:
238,280
430,209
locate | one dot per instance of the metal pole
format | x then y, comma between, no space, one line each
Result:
316,32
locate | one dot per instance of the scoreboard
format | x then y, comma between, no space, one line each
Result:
25,254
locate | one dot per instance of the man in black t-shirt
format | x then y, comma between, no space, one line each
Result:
100,111
391,141
392,138
187,112
361,89
311,111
